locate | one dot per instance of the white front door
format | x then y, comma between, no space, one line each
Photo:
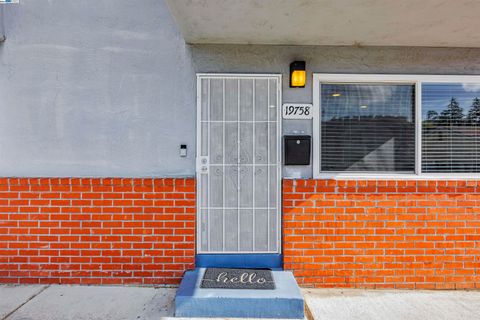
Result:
238,164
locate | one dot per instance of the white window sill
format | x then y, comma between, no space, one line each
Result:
406,176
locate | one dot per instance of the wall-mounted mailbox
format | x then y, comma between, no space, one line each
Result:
297,150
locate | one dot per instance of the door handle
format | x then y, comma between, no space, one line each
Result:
203,164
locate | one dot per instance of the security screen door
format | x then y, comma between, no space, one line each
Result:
238,164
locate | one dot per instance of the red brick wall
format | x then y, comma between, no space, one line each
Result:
96,231
383,234
374,234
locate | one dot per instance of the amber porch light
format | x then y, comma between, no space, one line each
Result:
298,75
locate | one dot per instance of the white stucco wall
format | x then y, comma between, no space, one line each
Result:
94,88
425,23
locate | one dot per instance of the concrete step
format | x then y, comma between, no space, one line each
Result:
284,302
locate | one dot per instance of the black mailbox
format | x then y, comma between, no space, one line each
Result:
297,150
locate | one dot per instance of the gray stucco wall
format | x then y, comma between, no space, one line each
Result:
277,59
107,87
94,88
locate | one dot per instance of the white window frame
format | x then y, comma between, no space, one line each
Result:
417,80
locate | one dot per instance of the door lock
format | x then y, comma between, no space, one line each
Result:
203,165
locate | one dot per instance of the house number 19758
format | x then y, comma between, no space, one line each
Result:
297,111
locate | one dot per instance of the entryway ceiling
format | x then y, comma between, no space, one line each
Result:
432,23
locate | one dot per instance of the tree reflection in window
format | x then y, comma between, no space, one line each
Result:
450,128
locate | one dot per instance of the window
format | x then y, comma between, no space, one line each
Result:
450,127
368,127
396,125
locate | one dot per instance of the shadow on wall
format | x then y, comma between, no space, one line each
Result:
2,26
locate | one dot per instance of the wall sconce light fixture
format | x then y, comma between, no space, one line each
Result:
298,74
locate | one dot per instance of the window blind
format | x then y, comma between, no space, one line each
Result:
367,127
450,127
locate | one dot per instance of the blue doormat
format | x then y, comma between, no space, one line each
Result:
226,278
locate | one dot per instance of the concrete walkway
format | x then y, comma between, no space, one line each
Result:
338,304
118,303
82,303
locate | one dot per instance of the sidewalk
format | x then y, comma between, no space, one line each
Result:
85,302
337,304
118,303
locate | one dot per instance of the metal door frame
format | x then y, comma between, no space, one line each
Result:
278,77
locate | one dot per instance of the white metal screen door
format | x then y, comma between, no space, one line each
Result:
238,164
